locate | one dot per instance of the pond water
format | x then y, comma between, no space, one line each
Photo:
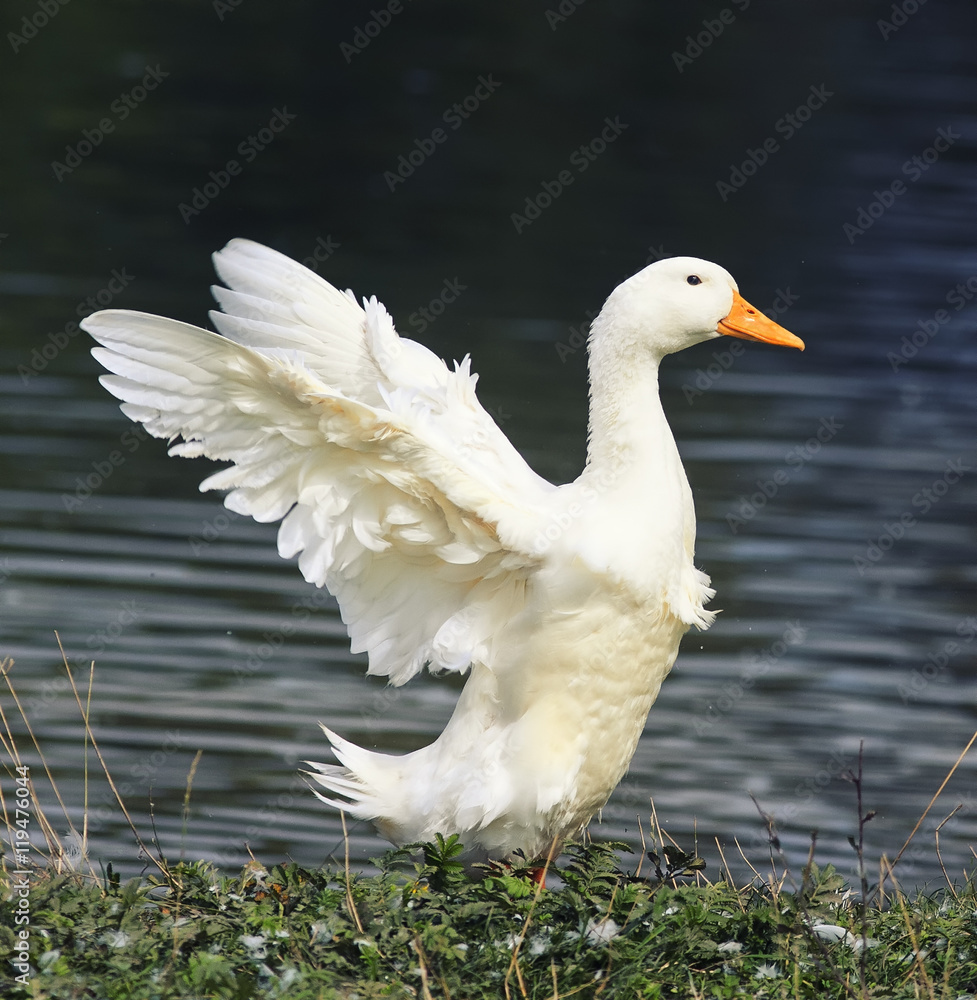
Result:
835,489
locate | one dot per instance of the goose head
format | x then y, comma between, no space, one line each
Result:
680,301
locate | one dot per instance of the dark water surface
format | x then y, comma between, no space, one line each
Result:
835,489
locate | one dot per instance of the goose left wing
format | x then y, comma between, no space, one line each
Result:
411,507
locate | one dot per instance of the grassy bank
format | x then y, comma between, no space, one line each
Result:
425,928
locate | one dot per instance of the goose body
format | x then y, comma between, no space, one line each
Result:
564,604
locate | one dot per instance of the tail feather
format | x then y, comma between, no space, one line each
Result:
336,779
338,804
369,783
442,788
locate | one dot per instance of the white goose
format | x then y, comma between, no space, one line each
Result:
565,604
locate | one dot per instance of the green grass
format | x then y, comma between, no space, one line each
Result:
425,928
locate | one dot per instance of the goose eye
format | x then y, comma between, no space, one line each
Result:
694,279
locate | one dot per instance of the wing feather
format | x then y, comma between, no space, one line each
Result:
395,488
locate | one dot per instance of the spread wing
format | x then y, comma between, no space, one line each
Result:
398,491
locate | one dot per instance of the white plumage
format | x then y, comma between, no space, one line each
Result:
400,494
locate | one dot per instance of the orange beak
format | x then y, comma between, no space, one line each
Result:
748,323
